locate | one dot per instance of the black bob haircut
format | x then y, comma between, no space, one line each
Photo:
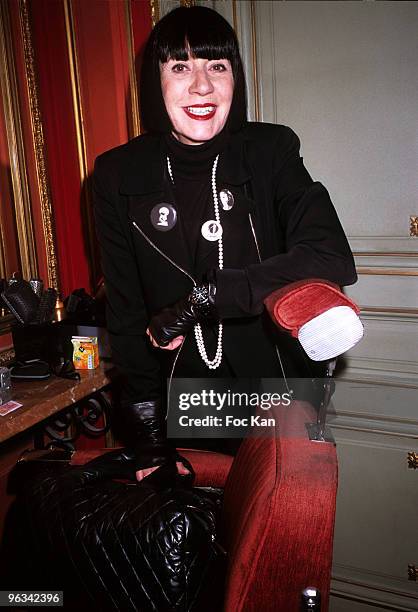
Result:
208,36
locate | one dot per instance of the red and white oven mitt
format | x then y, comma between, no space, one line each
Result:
316,311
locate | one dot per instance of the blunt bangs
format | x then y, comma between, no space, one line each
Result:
201,33
198,32
205,50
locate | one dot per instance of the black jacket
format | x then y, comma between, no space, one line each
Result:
283,227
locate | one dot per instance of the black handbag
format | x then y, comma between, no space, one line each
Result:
113,545
26,306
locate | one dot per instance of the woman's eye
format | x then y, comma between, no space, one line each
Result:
179,68
219,67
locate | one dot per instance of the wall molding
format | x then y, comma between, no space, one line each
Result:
386,271
369,595
403,261
387,264
384,407
376,427
374,589
392,294
381,371
384,245
377,492
387,353
380,312
400,366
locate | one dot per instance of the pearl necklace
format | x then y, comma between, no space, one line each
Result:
214,363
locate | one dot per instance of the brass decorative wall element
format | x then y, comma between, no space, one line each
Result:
133,84
155,11
413,228
75,89
187,3
413,460
234,14
39,148
412,572
21,194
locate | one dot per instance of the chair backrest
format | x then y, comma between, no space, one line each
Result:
278,516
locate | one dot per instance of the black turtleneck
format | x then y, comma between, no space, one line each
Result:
192,174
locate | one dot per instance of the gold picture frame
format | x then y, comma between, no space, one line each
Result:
17,226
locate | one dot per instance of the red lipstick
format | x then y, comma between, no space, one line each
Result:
203,117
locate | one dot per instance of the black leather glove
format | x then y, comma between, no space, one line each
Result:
145,423
180,318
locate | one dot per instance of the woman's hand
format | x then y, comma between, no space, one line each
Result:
171,346
141,474
174,322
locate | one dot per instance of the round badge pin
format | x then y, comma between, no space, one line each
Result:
163,217
227,199
211,230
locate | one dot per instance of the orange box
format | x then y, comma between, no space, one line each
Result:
85,352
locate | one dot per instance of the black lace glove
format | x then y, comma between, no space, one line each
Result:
180,318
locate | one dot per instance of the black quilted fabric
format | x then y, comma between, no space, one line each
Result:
116,546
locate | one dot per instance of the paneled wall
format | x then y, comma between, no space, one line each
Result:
343,76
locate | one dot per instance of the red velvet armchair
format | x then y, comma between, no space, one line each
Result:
278,514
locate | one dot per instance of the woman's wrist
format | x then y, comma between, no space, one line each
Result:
146,427
203,297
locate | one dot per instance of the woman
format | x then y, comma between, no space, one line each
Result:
198,221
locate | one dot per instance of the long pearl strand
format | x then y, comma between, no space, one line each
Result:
214,363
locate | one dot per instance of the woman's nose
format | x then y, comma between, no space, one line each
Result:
201,83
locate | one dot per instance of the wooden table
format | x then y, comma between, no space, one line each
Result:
41,399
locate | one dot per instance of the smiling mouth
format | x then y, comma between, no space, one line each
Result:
201,112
